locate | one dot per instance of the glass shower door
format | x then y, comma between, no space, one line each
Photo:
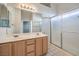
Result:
71,32
56,31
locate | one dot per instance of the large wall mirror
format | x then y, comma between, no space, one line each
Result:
26,21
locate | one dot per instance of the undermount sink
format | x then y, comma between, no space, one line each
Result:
15,35
37,33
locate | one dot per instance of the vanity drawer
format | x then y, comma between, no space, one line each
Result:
30,48
31,54
30,41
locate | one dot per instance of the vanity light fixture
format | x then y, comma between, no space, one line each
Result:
28,7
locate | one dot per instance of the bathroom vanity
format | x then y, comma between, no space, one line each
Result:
30,44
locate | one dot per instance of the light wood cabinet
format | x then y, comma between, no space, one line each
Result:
18,48
5,49
39,46
45,45
29,47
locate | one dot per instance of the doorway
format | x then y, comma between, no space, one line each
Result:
26,26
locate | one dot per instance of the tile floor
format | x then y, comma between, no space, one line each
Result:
55,51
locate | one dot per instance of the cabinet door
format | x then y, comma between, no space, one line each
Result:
39,46
45,45
19,48
30,48
5,49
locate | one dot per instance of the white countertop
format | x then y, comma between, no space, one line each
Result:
24,36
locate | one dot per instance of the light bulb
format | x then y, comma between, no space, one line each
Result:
27,7
22,5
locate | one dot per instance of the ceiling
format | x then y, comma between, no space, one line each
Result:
46,4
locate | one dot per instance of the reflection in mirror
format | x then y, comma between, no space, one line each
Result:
4,16
4,21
